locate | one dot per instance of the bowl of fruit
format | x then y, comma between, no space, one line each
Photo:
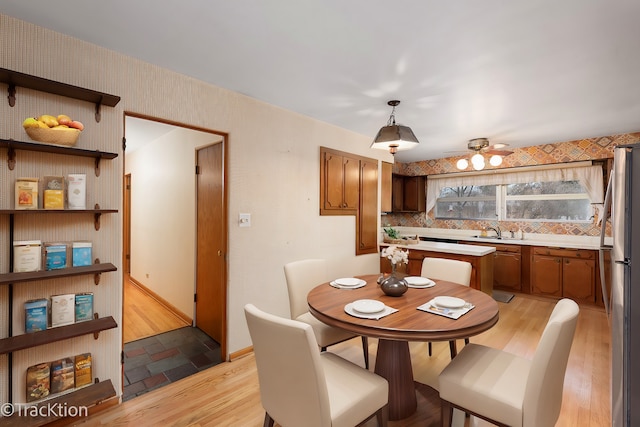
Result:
60,130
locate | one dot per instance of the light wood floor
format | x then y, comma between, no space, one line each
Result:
144,316
228,394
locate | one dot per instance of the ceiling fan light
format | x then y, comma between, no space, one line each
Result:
478,166
495,160
462,164
477,159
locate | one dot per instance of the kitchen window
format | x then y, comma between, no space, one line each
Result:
567,194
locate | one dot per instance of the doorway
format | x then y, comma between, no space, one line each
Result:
163,236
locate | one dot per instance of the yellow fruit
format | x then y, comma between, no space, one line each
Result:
48,120
60,127
30,122
64,119
42,125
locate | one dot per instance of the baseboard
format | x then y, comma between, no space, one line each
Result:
240,353
162,301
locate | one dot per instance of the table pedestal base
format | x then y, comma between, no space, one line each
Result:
393,362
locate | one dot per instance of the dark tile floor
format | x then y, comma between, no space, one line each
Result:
156,361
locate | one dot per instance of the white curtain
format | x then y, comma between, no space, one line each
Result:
589,176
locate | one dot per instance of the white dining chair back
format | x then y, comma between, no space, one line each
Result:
507,389
451,270
301,277
300,386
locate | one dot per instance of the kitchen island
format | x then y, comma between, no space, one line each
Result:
480,257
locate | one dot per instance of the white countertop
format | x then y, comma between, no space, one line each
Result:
531,239
450,248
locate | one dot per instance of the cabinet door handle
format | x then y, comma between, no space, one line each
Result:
219,252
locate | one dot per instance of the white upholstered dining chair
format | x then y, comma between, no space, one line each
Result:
301,386
451,270
302,276
506,389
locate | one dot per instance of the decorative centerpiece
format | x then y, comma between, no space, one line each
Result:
60,130
393,285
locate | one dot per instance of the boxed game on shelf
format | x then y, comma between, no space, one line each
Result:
38,382
53,192
27,255
84,307
36,315
62,310
81,254
62,375
77,191
26,193
84,375
55,256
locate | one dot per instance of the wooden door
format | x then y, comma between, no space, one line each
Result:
397,193
333,181
126,225
351,174
386,187
211,245
546,275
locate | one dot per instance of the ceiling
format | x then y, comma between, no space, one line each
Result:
520,72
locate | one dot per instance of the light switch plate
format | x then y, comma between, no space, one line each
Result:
244,220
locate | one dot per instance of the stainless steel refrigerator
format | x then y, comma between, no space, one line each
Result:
625,286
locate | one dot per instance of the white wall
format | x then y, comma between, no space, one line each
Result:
273,170
163,214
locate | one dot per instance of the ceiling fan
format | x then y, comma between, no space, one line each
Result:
481,146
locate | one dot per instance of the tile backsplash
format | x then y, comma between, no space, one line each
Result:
562,152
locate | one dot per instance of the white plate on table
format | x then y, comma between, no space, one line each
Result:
368,306
349,282
419,282
449,302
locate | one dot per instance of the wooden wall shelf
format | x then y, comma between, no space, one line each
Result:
13,145
30,276
15,78
86,396
34,339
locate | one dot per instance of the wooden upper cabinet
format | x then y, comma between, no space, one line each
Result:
386,187
349,186
339,182
367,218
409,193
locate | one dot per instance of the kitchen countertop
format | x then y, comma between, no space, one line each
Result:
450,248
530,239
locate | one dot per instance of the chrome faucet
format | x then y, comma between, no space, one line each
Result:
497,230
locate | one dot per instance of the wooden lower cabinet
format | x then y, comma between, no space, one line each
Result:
506,270
564,273
481,272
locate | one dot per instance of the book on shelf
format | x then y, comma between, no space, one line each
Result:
36,315
38,385
84,306
62,310
81,254
83,374
27,255
55,256
62,375
26,193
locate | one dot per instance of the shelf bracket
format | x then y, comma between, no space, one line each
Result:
11,158
96,277
97,333
12,94
97,168
96,218
98,106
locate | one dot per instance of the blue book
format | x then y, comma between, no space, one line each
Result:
84,307
36,315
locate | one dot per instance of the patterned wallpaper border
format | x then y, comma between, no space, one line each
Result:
561,152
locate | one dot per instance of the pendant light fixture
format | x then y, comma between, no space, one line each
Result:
394,137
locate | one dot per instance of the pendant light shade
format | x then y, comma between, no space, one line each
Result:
394,137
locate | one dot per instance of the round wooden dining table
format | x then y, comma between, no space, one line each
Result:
394,331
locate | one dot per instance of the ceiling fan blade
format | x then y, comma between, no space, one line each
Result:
497,152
